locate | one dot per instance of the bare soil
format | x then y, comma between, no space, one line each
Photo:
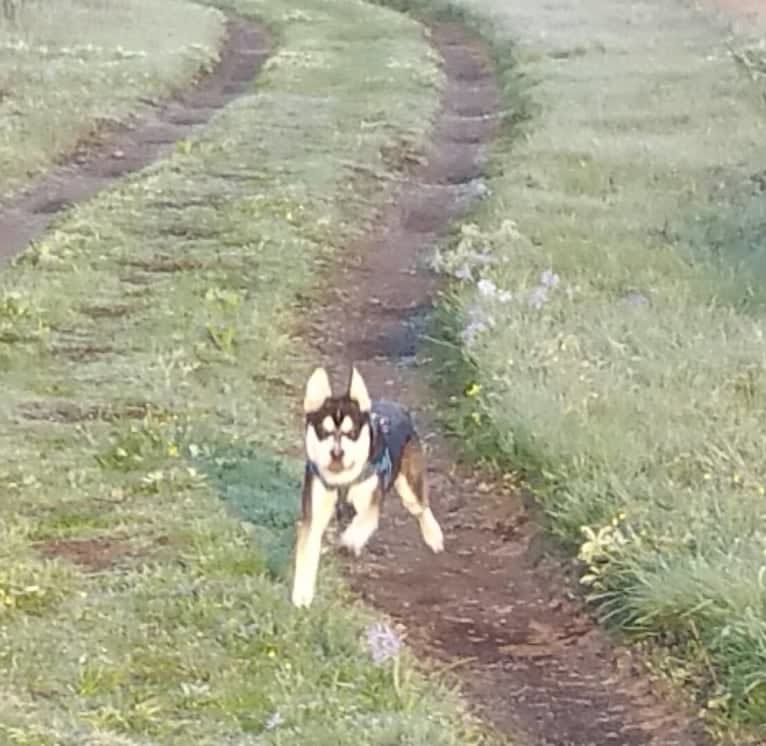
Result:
495,606
93,555
130,147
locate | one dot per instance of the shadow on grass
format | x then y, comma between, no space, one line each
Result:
731,233
264,491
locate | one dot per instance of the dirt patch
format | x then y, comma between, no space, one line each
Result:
494,606
117,311
93,555
130,147
164,264
82,351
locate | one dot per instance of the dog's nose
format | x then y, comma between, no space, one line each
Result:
337,452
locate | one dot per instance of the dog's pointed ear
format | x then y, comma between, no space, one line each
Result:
318,390
357,390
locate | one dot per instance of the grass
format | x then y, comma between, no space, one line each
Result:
71,68
151,380
610,340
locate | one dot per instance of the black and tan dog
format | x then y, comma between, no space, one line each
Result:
356,450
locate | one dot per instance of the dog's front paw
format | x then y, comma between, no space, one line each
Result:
353,541
302,596
431,532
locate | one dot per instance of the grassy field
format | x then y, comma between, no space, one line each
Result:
607,318
149,425
71,67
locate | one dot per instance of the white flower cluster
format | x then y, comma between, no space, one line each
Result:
471,261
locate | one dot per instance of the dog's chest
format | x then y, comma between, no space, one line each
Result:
392,428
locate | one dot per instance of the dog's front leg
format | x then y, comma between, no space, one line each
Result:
366,498
318,509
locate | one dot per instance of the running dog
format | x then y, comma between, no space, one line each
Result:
356,450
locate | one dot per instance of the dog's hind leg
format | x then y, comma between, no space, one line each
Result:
365,497
318,509
413,489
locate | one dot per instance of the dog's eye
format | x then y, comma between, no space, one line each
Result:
347,425
328,426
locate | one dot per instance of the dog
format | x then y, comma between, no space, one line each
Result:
356,451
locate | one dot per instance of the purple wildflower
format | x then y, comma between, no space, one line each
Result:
488,289
538,297
473,330
478,323
636,299
383,642
549,279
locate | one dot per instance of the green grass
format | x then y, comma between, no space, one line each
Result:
151,386
633,394
70,68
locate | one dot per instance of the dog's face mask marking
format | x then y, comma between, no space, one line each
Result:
337,428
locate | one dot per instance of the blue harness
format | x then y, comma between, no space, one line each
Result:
383,466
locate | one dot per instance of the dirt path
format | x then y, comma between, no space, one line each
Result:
133,146
529,658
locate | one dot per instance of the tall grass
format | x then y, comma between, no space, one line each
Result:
608,305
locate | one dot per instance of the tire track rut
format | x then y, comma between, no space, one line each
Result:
132,146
